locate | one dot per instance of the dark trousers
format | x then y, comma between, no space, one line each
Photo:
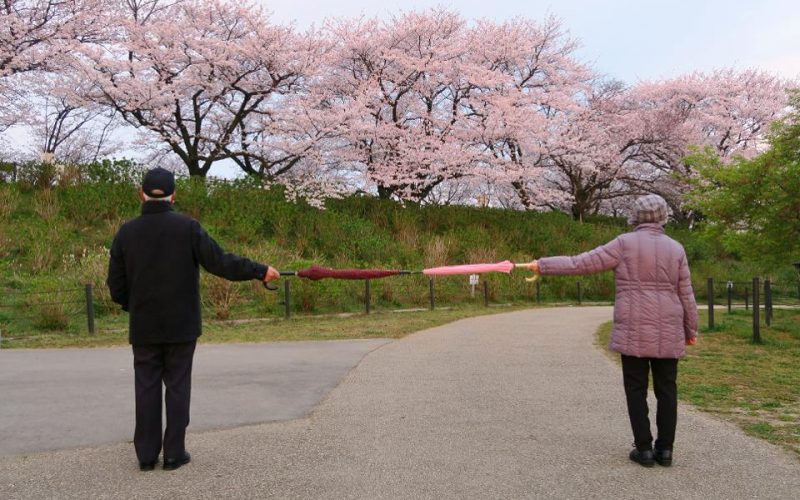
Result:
172,365
635,372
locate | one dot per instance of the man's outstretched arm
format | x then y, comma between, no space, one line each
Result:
221,263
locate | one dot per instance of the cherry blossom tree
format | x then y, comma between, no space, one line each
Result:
591,161
191,73
292,139
408,81
423,106
61,127
35,34
537,86
727,110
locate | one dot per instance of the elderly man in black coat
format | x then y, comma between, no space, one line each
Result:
153,274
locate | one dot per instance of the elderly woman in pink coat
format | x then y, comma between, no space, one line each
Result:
655,317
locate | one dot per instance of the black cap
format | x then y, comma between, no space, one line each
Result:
158,183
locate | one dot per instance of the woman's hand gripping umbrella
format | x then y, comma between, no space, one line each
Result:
533,267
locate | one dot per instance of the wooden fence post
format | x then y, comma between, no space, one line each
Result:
710,303
768,302
90,308
756,318
367,296
730,295
287,297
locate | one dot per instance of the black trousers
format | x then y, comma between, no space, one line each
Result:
172,365
635,372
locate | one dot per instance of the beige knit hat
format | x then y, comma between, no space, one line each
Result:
649,209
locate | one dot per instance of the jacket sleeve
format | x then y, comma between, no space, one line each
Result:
220,263
686,295
602,258
117,280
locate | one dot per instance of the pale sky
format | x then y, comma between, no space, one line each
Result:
628,40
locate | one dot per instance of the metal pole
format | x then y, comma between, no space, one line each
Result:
538,291
430,284
366,293
746,298
89,309
756,318
287,297
711,302
485,293
580,294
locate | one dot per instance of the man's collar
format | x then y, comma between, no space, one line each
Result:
156,207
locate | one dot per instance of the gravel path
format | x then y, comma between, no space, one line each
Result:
517,405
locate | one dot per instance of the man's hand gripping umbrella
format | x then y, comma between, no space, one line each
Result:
271,275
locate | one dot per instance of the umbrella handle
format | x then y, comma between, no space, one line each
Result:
532,279
269,286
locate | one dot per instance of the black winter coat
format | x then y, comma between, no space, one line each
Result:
153,273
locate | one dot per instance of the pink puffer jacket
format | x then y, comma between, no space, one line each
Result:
655,312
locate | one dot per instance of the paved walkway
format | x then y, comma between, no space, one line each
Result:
53,399
518,405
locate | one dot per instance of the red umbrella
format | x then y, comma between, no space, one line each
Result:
317,273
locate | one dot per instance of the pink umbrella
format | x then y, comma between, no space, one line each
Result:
499,267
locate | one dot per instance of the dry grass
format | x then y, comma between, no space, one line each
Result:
9,199
45,204
437,251
475,255
51,317
219,295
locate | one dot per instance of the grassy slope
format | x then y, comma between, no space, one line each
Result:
58,239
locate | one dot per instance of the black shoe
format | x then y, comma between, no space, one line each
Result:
174,463
145,466
663,457
644,457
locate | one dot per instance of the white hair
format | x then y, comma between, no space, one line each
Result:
156,198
